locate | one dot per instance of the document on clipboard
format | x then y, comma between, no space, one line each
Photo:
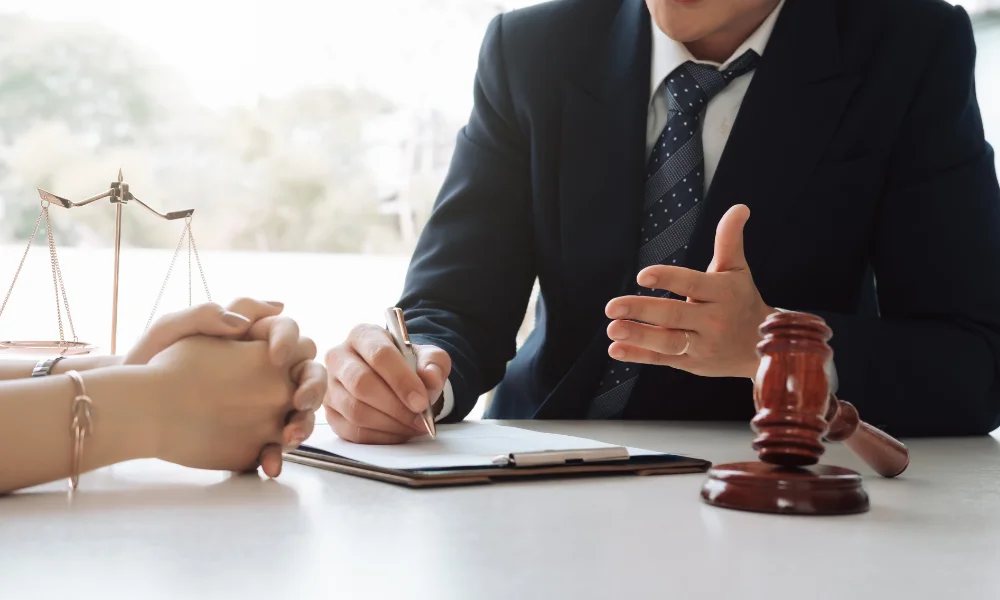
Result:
474,452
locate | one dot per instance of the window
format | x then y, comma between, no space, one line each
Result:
310,138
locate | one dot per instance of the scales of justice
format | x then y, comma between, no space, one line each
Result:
119,195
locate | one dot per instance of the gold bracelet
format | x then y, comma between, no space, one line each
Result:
81,426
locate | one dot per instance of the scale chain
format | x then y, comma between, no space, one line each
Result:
190,299
58,281
197,259
163,286
21,264
192,249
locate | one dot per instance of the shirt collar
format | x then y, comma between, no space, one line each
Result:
669,54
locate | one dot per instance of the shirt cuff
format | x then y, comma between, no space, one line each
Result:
448,401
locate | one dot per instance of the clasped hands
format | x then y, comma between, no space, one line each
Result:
243,385
714,332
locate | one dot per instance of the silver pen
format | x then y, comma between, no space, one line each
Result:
395,324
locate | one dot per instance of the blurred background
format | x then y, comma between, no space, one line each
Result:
309,137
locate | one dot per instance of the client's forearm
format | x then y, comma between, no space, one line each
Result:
36,440
20,369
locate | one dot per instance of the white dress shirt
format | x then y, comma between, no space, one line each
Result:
722,109
720,115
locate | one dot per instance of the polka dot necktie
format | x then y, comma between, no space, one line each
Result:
674,190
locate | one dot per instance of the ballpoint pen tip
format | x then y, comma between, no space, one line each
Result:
429,424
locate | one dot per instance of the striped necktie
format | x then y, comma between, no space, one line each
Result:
672,202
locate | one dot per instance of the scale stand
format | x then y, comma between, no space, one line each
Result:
119,195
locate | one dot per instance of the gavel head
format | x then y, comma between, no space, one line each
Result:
792,389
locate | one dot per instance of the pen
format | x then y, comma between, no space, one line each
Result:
395,324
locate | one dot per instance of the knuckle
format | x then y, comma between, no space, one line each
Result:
334,356
381,356
358,379
359,331
334,398
208,310
242,301
715,322
289,324
351,409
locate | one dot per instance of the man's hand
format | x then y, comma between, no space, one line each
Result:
374,397
715,332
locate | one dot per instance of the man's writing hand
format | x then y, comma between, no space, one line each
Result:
374,397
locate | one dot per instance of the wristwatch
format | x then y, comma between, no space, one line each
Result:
44,367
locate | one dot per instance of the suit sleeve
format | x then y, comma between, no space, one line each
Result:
928,365
469,282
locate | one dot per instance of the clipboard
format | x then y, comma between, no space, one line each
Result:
614,460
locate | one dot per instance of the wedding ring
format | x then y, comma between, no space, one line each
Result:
687,343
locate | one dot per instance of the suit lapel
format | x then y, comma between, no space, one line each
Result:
600,191
601,161
789,114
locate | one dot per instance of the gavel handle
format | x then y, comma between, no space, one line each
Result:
879,450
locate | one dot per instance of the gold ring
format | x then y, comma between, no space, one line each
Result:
687,343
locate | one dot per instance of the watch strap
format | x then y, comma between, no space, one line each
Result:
44,367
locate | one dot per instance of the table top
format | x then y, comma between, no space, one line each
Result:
151,530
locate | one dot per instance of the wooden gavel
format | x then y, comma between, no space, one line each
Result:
795,409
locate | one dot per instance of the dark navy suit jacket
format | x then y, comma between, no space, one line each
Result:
858,148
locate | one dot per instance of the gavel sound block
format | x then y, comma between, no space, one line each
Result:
795,412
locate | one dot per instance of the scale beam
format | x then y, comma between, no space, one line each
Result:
118,194
59,201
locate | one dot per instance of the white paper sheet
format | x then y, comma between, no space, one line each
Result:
467,444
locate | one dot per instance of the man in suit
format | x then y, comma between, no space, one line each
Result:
616,152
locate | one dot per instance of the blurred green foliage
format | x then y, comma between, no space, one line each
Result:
299,172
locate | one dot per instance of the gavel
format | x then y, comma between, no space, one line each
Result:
796,411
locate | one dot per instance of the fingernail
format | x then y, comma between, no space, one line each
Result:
296,437
416,401
307,401
234,320
617,312
647,280
276,304
616,352
619,332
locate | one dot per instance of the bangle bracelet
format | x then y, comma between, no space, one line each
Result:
81,426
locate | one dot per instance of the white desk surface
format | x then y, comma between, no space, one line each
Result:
149,530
